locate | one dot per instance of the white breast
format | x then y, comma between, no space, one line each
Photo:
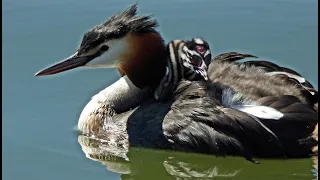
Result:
121,96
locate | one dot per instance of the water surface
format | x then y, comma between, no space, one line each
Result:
39,114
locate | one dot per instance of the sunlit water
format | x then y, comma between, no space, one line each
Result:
39,114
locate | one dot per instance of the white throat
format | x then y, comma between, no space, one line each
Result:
121,95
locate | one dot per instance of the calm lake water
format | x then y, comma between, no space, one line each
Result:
40,114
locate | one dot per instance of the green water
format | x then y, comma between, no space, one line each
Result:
40,114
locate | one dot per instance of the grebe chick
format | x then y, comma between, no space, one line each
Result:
186,60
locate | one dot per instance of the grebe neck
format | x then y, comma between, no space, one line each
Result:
145,64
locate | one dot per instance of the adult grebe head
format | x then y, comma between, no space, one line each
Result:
125,41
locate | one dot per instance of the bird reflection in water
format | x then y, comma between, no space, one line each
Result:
116,159
140,163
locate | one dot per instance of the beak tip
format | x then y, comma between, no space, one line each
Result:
43,72
39,73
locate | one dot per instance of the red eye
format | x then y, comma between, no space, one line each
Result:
104,48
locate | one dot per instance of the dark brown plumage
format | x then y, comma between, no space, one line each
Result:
197,121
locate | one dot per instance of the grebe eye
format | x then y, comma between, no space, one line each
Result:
104,48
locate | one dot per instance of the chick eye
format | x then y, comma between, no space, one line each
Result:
104,48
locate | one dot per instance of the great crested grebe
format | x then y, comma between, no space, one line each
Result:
240,110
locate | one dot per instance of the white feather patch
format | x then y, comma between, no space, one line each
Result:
235,101
263,112
298,78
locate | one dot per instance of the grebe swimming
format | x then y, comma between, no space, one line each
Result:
242,109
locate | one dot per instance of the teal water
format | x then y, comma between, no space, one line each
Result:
40,114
